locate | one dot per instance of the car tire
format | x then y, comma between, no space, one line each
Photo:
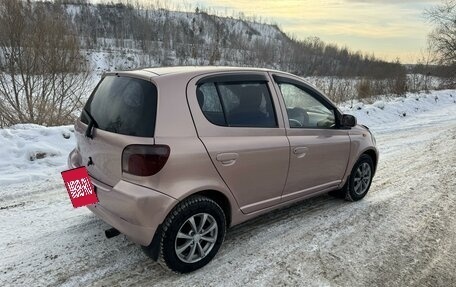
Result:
360,179
192,234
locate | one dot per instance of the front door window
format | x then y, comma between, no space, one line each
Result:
304,110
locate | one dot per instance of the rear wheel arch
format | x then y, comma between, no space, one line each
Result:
153,249
221,199
190,218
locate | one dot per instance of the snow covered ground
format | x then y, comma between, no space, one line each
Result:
402,233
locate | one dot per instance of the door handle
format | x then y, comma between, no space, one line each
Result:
300,151
227,158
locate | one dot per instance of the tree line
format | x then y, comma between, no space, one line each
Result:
200,38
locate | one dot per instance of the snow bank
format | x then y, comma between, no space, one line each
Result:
30,152
390,110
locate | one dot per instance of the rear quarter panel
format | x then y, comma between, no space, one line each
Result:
189,169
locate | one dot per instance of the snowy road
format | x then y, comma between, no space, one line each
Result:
402,234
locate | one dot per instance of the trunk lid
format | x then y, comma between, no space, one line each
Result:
120,112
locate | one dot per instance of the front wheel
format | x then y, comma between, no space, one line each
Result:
192,234
360,179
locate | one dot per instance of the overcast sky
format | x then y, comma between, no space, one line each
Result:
387,28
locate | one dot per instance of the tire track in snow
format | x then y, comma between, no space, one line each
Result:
402,233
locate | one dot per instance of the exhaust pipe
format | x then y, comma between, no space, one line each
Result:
112,232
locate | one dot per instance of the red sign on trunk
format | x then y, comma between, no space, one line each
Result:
79,187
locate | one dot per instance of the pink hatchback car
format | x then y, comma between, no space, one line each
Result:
179,154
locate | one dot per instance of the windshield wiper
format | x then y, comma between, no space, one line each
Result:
92,124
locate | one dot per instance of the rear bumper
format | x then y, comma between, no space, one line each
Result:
134,210
138,234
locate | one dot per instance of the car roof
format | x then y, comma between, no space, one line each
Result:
194,70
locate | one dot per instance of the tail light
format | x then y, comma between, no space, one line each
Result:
144,160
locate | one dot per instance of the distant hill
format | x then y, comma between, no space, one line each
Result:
158,37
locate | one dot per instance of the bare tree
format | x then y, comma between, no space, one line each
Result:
443,37
42,72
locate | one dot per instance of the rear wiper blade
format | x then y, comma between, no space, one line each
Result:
92,124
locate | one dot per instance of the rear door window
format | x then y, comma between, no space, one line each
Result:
239,104
209,102
123,105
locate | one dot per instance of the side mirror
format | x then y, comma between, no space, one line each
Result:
348,121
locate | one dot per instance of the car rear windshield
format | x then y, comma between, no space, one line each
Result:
123,105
